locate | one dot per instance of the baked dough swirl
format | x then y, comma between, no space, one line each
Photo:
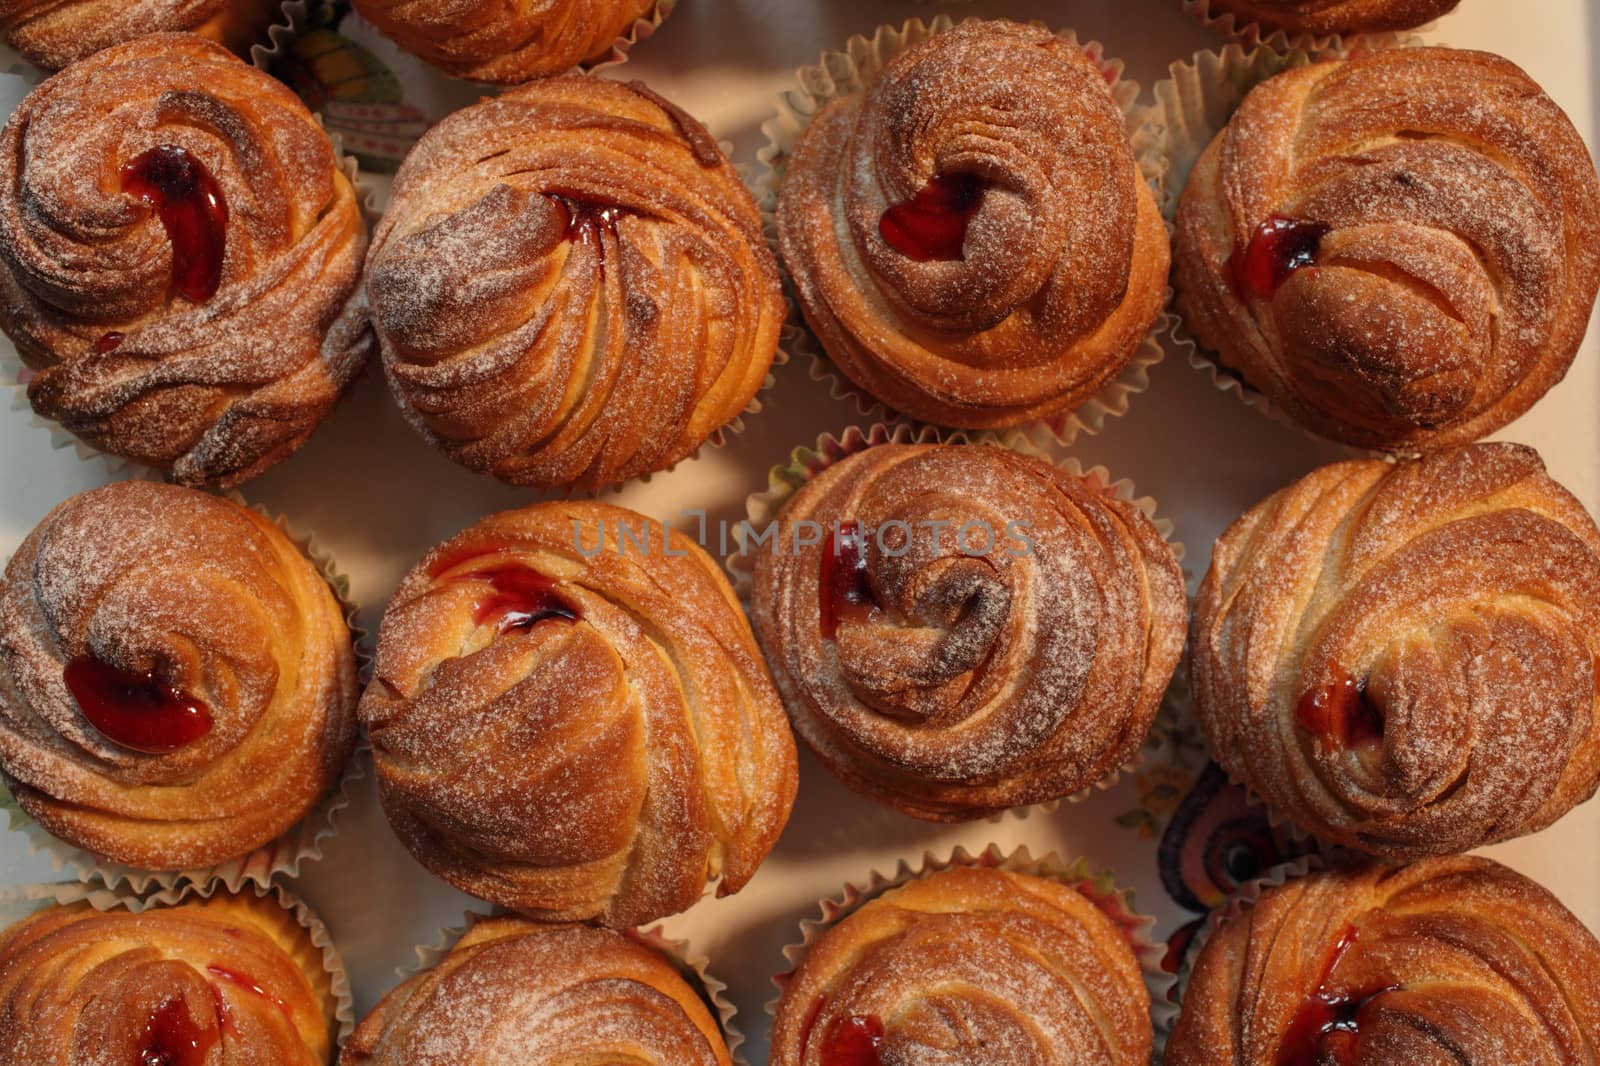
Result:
54,33
1336,16
227,981
1398,249
571,718
983,630
213,354
969,965
970,237
1452,960
571,286
505,41
1403,658
177,681
511,991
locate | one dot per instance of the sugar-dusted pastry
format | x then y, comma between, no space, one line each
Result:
959,629
177,681
54,33
228,981
513,991
178,257
1451,961
571,286
1403,658
1334,16
968,966
505,41
970,237
571,718
1396,250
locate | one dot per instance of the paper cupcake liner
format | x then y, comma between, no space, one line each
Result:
1251,33
806,462
21,901
695,967
283,856
1195,102
852,70
1101,888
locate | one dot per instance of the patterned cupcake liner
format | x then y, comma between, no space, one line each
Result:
20,902
695,967
1252,34
806,462
1196,100
850,71
281,857
1100,886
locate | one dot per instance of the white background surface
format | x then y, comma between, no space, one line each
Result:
377,497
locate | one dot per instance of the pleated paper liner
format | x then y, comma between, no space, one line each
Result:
694,966
1251,33
807,461
851,71
282,857
18,903
1100,887
1195,102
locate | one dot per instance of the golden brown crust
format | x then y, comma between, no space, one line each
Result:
1019,665
1455,280
512,991
1064,264
972,965
1336,16
1452,605
52,34
505,41
1450,961
571,286
216,390
215,601
82,987
606,763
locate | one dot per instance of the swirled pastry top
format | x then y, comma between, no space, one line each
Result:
505,41
1452,960
228,981
177,681
1398,250
958,629
54,33
511,991
571,286
1403,658
1336,16
571,718
968,966
970,237
179,254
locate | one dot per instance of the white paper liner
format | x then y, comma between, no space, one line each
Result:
1252,33
283,856
806,462
20,902
1139,928
1195,101
695,965
851,71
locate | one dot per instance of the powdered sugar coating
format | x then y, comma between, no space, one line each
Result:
1456,280
1336,16
1461,592
55,33
1018,666
217,602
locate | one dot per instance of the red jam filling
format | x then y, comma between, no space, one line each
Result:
1327,1027
190,204
1279,247
517,597
137,711
172,1038
933,224
589,221
109,342
853,1041
843,580
1340,714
